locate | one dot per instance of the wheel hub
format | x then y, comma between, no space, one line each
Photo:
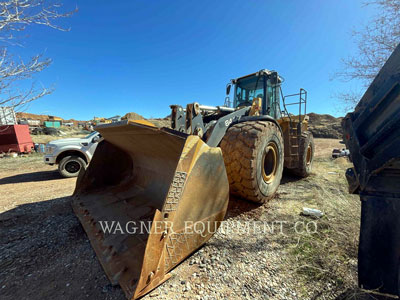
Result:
72,166
309,155
269,162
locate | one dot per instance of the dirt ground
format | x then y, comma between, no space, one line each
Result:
45,254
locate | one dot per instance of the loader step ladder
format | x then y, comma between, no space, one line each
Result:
302,103
295,127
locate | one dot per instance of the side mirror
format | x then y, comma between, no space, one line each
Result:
95,139
228,88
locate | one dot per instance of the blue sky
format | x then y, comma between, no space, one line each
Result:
142,56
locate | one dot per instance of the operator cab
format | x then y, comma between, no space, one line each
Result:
263,84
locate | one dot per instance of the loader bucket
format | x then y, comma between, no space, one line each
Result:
162,193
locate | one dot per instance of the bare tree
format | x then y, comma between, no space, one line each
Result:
15,17
375,42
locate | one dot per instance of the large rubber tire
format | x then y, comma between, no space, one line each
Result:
306,155
70,166
253,155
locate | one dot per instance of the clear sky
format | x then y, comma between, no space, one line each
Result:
141,56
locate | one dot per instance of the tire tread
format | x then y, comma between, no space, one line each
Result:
239,148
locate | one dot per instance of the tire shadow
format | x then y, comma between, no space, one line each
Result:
238,206
288,177
31,177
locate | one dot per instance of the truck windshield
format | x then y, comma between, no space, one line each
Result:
247,89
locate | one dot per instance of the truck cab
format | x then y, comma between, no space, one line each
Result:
72,154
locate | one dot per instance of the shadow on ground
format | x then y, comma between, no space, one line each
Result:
289,177
31,177
45,254
238,206
358,294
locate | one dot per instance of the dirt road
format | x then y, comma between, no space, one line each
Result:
45,254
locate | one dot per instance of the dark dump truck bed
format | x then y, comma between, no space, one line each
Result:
372,133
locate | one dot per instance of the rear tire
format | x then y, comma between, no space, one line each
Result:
306,155
70,166
253,155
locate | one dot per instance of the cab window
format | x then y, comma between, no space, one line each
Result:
247,89
273,99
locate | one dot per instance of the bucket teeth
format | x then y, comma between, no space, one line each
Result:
140,196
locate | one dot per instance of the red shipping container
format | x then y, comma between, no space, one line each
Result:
15,138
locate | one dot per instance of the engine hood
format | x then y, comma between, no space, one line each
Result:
70,141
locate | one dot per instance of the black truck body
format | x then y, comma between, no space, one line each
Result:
372,134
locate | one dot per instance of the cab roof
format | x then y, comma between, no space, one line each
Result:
259,73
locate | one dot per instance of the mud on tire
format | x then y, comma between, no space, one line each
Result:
253,155
306,155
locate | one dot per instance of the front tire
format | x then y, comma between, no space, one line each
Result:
70,166
253,155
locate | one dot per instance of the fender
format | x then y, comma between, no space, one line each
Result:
258,118
222,125
239,116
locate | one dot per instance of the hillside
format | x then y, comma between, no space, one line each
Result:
42,118
325,126
132,116
23,115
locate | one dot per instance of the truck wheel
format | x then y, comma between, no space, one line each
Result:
70,166
306,155
253,155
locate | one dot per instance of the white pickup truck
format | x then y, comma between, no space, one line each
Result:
72,154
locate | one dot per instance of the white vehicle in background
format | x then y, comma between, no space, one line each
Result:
71,154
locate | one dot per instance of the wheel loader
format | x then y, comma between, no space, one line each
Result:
177,180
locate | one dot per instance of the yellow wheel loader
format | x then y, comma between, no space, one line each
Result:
150,197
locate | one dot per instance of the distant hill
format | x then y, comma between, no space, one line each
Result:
165,122
325,126
23,115
42,118
132,116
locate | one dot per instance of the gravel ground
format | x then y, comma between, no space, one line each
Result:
44,249
45,254
233,266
